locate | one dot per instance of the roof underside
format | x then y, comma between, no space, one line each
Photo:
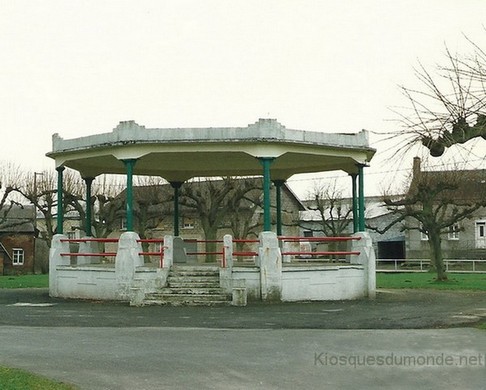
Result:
186,153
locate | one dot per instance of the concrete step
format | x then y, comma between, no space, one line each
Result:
195,269
193,284
196,279
189,290
191,302
186,299
195,273
190,285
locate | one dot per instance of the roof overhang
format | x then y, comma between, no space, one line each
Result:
180,154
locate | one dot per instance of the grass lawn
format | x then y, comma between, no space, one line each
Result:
24,281
427,280
14,379
383,280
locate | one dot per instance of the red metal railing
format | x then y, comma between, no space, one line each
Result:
222,253
245,253
317,240
160,253
90,239
206,253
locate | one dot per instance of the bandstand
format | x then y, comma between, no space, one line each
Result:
265,148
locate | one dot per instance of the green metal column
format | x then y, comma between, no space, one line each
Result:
355,202
129,165
89,182
60,201
267,221
361,225
176,185
278,189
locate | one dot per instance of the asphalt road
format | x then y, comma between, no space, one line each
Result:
394,309
409,339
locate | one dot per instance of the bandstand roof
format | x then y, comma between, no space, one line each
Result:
178,154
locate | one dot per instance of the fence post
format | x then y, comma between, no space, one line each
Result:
367,259
228,251
270,267
55,259
286,247
226,271
126,261
87,247
168,251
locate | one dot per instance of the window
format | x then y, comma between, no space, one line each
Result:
123,224
423,236
188,223
18,256
308,233
480,229
454,232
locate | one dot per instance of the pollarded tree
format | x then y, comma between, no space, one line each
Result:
10,177
449,107
335,212
106,206
213,202
39,188
436,202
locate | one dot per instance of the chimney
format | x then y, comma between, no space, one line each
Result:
416,166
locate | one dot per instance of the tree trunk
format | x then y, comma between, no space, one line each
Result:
436,254
210,246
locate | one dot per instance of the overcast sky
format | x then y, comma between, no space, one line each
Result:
79,67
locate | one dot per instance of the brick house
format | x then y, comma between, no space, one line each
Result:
17,241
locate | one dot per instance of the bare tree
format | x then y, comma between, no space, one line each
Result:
435,202
151,206
10,176
41,192
449,107
245,222
335,213
214,202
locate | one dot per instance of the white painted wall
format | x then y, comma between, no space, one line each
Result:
321,283
86,283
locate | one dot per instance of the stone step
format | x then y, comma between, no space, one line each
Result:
178,295
192,302
190,285
195,279
178,285
186,299
194,268
198,290
195,273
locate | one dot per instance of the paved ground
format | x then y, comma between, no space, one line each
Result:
393,309
403,339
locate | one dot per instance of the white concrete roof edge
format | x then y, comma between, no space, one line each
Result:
267,130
